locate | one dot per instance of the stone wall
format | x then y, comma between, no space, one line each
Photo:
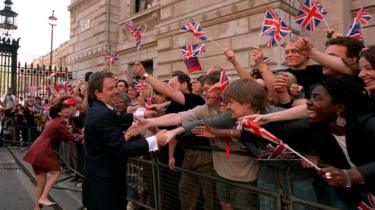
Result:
97,27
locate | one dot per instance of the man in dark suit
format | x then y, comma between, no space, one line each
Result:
106,150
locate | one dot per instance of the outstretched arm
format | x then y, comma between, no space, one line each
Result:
158,85
232,59
332,62
294,113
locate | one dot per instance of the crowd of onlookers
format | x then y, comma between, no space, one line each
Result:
324,111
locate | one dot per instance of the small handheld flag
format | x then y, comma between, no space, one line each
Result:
192,50
274,27
192,64
196,29
310,15
136,32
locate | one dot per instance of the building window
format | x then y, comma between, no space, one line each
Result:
149,66
140,5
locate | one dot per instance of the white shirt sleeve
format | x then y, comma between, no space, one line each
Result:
139,114
152,143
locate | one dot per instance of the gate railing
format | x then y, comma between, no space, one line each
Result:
24,80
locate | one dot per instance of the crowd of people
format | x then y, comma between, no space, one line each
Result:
324,112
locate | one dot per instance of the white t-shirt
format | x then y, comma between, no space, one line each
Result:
341,141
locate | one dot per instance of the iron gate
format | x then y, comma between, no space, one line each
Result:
26,80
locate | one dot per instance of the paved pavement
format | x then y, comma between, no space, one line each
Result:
14,193
17,188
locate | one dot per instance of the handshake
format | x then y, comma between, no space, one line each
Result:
163,136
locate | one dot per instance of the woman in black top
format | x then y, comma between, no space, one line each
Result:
367,73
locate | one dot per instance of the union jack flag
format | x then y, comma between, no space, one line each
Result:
278,152
368,203
310,15
111,58
274,26
224,80
192,50
136,32
362,17
140,84
356,31
271,42
196,29
192,64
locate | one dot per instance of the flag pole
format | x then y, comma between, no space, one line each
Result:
217,43
259,39
363,34
325,22
302,157
363,31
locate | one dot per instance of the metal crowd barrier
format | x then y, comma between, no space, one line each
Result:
152,185
19,135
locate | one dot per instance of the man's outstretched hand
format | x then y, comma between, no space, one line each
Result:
164,137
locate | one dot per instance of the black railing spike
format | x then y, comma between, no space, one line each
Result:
37,66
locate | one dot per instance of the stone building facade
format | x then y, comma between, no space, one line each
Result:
98,28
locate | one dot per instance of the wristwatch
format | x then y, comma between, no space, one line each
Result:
145,76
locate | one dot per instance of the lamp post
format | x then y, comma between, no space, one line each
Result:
52,21
8,19
8,23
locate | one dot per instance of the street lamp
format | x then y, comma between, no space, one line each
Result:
8,19
53,22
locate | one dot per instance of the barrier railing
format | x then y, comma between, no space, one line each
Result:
19,135
152,185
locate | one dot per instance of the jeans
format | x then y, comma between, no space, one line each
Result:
269,178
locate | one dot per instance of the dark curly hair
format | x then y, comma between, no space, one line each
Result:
54,110
349,91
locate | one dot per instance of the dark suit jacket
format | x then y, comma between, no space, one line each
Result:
106,152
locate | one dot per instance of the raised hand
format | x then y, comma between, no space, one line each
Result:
230,55
258,56
295,89
281,83
303,45
214,91
138,70
332,34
